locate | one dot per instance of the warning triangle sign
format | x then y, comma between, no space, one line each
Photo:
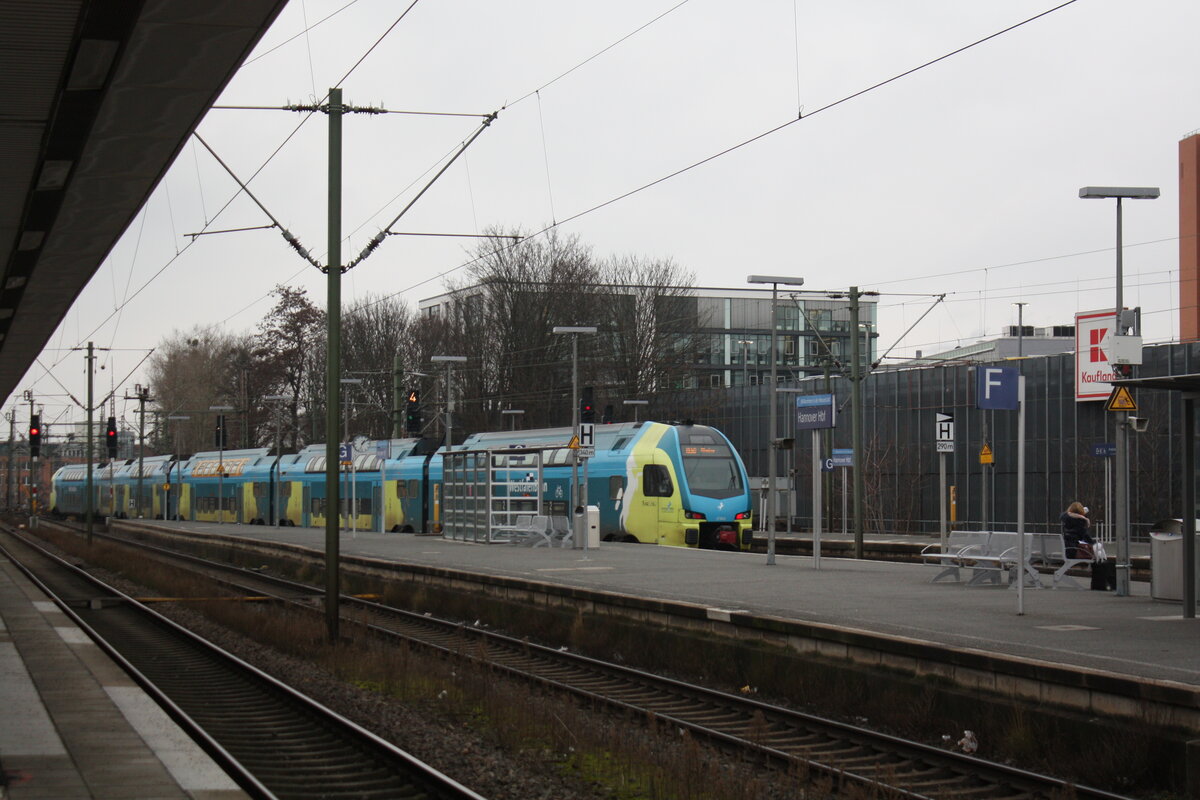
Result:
1121,400
574,443
985,451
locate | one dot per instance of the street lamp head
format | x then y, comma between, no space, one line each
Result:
350,381
636,402
574,329
448,359
508,411
220,408
1127,192
278,397
177,417
775,279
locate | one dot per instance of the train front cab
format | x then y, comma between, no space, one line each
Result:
689,489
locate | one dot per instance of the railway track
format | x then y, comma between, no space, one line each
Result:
789,740
275,742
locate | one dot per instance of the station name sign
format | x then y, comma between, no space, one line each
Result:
815,411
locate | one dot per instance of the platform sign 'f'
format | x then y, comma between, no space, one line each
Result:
996,387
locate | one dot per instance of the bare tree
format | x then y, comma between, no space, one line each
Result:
191,371
286,347
374,331
652,316
517,295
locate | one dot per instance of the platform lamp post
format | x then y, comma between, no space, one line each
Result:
1124,322
745,343
769,494
178,467
277,400
636,405
578,492
513,414
221,461
449,361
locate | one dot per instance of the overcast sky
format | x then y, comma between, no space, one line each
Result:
961,178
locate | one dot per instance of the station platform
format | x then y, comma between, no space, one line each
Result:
1096,632
74,725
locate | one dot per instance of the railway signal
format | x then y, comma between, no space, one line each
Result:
220,435
110,437
587,408
412,414
35,435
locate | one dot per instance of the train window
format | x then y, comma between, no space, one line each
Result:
364,505
401,489
616,486
317,506
619,444
285,490
656,481
414,489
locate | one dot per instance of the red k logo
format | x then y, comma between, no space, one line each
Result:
1095,353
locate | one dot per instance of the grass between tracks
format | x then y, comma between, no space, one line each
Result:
636,758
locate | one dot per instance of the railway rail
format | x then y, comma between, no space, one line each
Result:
784,738
274,741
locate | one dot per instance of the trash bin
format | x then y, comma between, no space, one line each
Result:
1166,559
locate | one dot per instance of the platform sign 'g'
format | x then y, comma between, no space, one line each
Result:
997,388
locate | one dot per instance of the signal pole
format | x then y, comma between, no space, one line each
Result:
142,395
12,430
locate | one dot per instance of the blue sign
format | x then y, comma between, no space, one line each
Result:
997,387
1104,450
827,465
843,457
382,449
344,452
815,411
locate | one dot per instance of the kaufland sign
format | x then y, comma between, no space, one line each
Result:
1093,329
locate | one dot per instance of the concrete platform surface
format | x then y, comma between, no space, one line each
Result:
1133,636
74,725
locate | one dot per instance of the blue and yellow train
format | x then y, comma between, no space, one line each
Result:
670,484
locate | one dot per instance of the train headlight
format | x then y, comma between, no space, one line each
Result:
742,515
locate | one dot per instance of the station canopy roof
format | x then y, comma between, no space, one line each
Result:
1173,383
100,96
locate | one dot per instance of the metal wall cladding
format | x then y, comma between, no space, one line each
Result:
899,455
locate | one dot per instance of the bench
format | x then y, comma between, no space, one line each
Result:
988,554
560,531
1046,550
1050,550
957,543
531,529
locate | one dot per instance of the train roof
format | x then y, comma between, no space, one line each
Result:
606,436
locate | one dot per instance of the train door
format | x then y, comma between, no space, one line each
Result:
379,513
659,498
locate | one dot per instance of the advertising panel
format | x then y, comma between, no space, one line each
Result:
1093,330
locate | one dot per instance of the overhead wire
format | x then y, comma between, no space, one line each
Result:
756,138
655,182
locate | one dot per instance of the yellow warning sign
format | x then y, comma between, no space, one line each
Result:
574,443
985,455
1121,400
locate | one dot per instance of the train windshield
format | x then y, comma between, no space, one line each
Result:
711,470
